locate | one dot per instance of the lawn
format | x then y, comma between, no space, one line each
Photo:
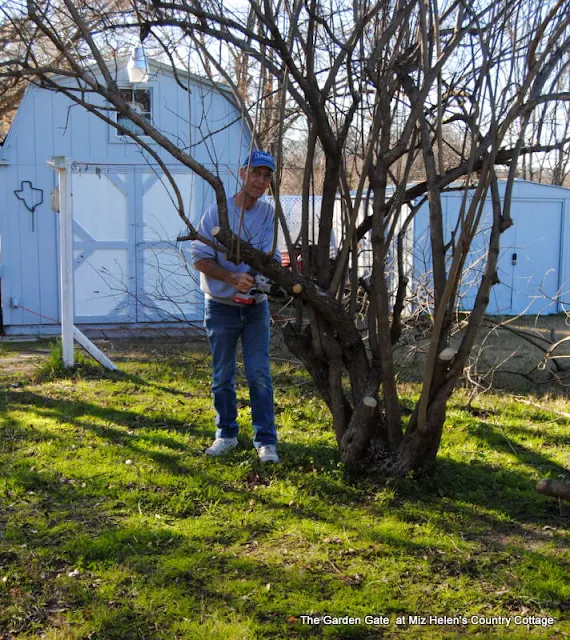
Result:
114,525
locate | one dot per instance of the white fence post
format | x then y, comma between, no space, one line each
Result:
68,331
62,166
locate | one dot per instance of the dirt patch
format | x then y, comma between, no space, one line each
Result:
151,349
527,353
517,354
22,358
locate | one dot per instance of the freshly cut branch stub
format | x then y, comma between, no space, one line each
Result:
370,406
447,354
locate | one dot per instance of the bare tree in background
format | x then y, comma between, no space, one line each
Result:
549,122
22,40
552,126
380,86
14,31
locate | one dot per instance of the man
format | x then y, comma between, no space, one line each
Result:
231,313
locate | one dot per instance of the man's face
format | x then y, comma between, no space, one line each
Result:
255,180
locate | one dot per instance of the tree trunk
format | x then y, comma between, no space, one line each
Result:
418,449
366,435
325,371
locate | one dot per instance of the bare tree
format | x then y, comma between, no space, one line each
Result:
15,33
379,86
549,123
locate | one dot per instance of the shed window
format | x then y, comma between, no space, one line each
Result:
141,101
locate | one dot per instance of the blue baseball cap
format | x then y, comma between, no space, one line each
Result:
260,159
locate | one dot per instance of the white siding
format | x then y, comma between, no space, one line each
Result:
533,267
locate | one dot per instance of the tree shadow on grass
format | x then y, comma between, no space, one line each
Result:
89,371
482,482
120,426
163,563
497,439
169,573
196,569
121,376
501,438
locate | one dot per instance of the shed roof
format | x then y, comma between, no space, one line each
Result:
117,65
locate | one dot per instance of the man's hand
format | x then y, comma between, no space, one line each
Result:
243,282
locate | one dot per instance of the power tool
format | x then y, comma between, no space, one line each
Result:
262,285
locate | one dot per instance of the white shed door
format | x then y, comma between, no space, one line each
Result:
128,265
529,260
104,269
168,287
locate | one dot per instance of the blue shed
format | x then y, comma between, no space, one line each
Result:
128,267
533,267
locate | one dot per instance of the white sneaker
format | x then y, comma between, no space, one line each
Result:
221,446
267,453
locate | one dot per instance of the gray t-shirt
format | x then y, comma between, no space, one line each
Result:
255,227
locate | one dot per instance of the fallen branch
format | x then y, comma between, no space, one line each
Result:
562,414
554,488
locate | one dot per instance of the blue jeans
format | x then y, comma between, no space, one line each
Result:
225,324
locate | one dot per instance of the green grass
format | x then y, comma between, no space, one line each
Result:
113,524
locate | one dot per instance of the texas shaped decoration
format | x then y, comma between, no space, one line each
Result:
30,196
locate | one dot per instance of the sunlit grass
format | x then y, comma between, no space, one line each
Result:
113,524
